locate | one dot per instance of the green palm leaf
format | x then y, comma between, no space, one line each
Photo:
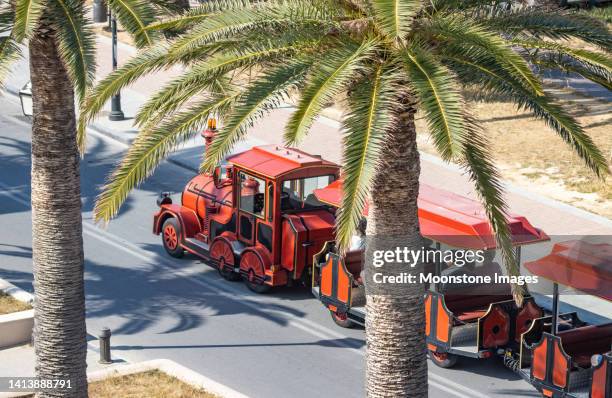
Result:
486,75
76,43
266,18
195,15
600,61
440,100
555,25
328,79
457,29
10,51
27,14
148,150
394,17
265,94
207,73
135,16
371,117
488,184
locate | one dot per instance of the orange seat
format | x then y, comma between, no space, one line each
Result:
584,342
470,315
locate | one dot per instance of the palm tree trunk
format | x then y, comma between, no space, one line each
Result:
59,323
395,358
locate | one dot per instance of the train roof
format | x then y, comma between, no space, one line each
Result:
274,161
578,264
452,219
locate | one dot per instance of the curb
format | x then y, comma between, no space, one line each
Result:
16,327
171,368
15,292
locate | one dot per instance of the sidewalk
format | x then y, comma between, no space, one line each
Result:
21,363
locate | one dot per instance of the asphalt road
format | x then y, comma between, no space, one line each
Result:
276,345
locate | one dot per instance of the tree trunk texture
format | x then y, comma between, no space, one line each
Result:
59,318
396,363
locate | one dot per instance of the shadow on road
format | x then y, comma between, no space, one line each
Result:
333,343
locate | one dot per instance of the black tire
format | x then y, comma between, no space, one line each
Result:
172,245
443,360
258,288
226,273
342,320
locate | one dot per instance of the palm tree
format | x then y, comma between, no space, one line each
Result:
62,62
386,59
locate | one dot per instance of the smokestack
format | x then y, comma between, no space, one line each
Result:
209,133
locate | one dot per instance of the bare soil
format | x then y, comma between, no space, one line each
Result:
530,154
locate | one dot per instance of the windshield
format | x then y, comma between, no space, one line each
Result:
299,194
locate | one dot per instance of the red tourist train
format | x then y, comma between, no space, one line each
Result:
267,216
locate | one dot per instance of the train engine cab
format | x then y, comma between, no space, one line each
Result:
255,217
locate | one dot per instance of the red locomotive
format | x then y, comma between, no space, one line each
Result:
255,216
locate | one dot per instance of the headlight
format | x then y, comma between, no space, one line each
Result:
596,360
164,198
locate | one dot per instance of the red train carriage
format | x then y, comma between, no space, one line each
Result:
560,355
456,324
256,216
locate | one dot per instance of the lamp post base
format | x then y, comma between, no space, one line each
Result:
116,112
116,116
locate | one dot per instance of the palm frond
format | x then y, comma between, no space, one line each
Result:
600,61
7,18
371,117
27,14
595,75
148,150
273,16
76,42
555,25
394,17
10,51
439,98
457,29
482,71
265,94
488,184
147,62
332,75
195,15
135,16
202,75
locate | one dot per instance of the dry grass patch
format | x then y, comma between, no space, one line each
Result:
151,384
9,305
530,153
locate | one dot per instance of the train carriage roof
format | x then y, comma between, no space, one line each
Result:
578,264
274,161
452,219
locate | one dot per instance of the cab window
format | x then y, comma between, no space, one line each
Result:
299,193
252,194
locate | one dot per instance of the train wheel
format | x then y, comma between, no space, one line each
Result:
221,251
253,268
171,232
443,360
341,320
226,273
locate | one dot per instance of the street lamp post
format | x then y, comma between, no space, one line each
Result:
116,112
